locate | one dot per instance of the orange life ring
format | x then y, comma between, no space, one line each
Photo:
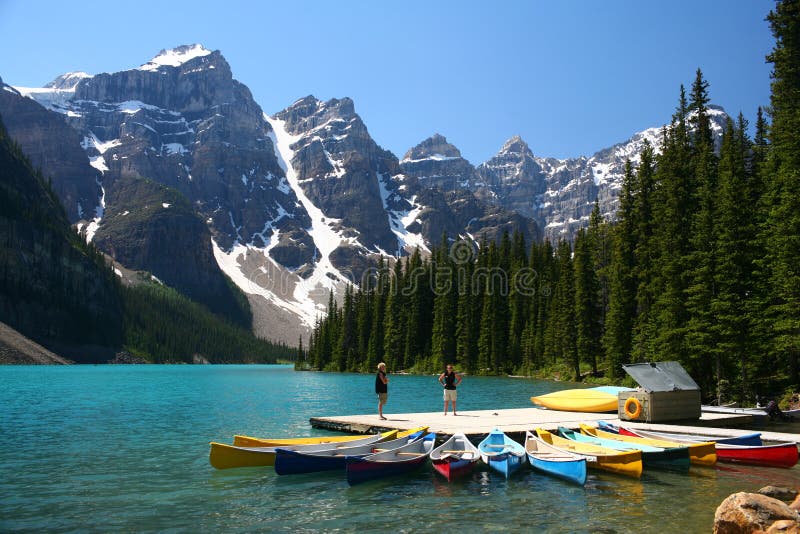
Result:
637,408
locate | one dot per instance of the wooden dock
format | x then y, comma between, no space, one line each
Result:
514,422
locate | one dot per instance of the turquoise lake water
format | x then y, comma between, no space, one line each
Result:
125,448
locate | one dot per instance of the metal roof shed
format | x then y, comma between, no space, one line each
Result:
666,393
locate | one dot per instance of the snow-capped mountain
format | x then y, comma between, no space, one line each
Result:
292,205
558,194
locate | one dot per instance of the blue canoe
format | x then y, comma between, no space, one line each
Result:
553,461
501,453
295,462
751,439
672,459
397,461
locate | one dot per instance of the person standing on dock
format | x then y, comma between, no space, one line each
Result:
450,379
382,388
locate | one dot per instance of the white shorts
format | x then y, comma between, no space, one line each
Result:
450,395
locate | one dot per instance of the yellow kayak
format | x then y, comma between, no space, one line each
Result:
628,463
578,400
699,453
223,456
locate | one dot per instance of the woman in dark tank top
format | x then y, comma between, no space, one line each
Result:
450,379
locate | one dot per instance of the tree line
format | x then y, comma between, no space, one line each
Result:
701,264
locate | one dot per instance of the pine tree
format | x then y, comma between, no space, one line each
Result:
394,320
466,336
674,175
587,308
376,338
645,253
735,233
781,227
617,337
702,354
443,340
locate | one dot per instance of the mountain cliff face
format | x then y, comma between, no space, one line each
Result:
559,193
53,147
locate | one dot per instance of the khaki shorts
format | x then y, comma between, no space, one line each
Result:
383,397
450,395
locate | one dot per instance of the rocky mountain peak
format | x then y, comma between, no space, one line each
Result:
67,81
310,112
175,57
434,147
516,145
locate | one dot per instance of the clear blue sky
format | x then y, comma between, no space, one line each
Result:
569,76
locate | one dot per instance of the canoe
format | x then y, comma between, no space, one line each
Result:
387,463
772,455
501,453
674,458
554,461
455,457
751,438
579,400
295,462
223,456
700,453
620,462
248,441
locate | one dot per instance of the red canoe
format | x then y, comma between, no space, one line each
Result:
455,457
778,455
775,455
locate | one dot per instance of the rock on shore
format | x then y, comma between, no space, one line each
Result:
745,513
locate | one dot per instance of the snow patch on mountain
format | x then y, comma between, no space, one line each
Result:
50,98
263,280
99,211
399,221
175,57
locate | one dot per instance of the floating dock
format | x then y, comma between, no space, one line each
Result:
514,422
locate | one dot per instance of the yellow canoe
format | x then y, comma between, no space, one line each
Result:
578,400
699,453
628,463
224,456
248,441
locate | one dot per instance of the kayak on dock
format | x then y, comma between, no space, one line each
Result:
501,453
620,462
596,400
295,462
223,456
553,461
455,457
397,461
